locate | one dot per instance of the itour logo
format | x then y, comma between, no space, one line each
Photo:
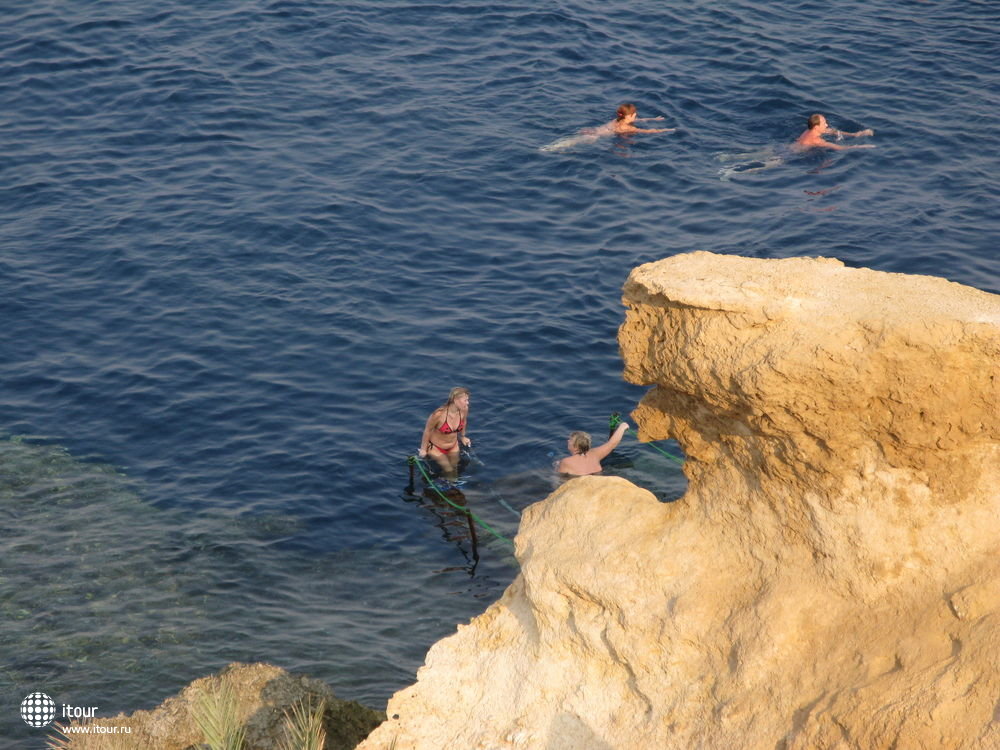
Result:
38,710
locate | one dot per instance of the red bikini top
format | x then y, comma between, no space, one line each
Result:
445,428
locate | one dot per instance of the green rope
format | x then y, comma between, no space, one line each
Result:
504,503
617,420
419,464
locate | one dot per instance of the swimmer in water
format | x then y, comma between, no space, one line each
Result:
812,137
622,124
444,433
584,459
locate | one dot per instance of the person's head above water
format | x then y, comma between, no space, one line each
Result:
817,127
625,110
584,457
579,442
625,115
817,121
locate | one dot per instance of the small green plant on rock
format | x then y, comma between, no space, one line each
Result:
214,712
304,728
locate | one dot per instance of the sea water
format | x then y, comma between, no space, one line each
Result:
247,246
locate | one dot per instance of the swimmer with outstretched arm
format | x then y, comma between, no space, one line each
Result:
584,459
622,124
812,137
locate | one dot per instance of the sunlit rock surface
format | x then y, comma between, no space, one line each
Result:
831,579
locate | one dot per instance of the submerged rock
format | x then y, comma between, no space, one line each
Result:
831,578
262,694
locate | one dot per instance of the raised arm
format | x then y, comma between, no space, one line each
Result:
601,452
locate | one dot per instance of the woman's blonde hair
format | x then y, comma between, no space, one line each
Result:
452,395
580,440
456,392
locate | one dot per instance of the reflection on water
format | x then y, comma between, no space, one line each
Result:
457,526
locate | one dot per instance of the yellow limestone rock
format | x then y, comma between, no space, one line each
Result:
831,578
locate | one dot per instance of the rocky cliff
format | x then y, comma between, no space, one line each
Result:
831,578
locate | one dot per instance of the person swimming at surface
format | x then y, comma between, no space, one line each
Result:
622,124
584,459
444,433
812,136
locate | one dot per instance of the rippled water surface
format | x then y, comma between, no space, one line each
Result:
247,246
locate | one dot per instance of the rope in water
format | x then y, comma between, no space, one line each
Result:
617,420
472,454
420,465
504,503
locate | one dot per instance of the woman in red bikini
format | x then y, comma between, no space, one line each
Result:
444,433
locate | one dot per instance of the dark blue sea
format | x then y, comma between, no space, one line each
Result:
247,246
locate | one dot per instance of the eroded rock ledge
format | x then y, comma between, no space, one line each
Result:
831,579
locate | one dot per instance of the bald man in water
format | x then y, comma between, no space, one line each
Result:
818,127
